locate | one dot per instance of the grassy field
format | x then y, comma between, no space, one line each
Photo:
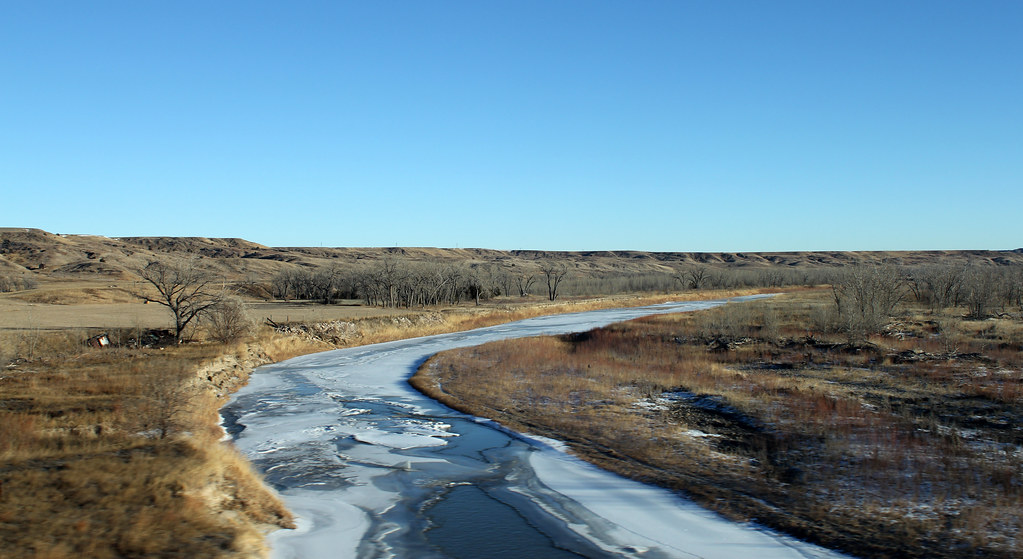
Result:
906,444
116,453
99,305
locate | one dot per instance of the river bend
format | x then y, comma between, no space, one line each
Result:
373,469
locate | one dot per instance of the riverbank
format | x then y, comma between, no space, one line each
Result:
372,467
128,439
899,445
116,452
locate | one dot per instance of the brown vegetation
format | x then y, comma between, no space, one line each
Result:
115,453
905,443
428,275
117,447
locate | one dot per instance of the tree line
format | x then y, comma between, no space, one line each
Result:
402,283
398,283
865,296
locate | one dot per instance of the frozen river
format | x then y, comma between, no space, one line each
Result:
374,469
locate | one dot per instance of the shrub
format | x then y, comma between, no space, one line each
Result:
228,320
866,297
980,291
9,282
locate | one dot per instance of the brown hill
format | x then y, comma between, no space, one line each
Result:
47,255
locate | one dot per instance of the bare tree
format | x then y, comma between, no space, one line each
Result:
326,283
940,286
555,272
437,283
283,284
867,296
524,280
411,291
15,283
388,275
228,321
1014,289
161,405
980,291
183,287
480,282
692,277
697,277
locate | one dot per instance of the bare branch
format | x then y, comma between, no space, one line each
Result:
183,287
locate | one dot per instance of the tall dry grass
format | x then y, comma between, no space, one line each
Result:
116,453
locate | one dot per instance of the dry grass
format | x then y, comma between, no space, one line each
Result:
116,453
894,447
76,295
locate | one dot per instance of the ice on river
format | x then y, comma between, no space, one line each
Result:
360,458
415,434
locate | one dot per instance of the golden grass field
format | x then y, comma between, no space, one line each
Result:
116,453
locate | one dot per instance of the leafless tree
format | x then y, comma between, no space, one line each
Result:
10,282
939,286
411,290
283,284
1014,289
555,273
524,280
692,277
161,405
980,290
867,296
228,321
480,282
186,289
387,275
438,282
325,283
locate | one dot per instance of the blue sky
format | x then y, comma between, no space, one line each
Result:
559,125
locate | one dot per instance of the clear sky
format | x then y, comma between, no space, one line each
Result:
561,125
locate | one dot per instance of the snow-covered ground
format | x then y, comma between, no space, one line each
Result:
361,459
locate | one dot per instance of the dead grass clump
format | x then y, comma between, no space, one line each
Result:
228,321
278,347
